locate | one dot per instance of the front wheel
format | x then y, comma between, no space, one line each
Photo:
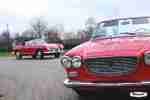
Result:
57,55
39,54
18,55
82,93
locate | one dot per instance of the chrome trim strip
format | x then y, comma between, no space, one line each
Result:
49,52
70,83
53,52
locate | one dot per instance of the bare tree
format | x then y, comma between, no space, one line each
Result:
6,40
16,35
90,25
69,35
39,26
59,27
56,28
29,34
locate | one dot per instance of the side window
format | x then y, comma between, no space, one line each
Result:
110,23
125,25
140,21
100,31
125,22
33,43
111,27
30,43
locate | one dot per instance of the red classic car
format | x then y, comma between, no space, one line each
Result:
116,57
38,48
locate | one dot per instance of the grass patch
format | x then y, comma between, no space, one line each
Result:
5,54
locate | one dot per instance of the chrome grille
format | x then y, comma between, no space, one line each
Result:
52,50
111,65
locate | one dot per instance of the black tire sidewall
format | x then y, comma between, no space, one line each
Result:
81,93
57,55
18,56
40,56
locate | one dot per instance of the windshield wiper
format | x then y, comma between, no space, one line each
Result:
128,33
97,36
116,35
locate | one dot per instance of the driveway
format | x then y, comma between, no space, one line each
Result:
30,79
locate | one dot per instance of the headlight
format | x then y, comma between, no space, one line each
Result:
76,62
66,61
147,58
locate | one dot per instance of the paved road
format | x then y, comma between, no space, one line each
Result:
30,79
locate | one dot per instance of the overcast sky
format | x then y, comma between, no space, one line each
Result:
71,13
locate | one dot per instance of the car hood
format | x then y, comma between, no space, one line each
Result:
119,46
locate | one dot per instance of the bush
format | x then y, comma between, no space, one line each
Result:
70,43
3,50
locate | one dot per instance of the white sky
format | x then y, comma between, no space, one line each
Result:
71,13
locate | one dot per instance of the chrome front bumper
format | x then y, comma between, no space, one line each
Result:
72,84
51,52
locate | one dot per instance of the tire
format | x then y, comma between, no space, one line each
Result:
34,57
82,93
18,55
57,55
39,54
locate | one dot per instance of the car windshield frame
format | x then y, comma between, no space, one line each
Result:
35,42
137,26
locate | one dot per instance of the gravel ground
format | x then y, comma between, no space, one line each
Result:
30,79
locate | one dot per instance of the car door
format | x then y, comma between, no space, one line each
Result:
29,47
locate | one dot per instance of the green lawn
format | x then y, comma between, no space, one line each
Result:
5,54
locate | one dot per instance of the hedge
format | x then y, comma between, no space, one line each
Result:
3,50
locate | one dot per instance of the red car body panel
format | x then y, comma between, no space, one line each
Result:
28,50
111,47
31,48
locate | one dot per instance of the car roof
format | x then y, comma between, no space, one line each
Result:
36,40
121,18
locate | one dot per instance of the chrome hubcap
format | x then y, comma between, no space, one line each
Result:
18,54
39,54
138,94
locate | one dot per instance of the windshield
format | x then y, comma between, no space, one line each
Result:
130,26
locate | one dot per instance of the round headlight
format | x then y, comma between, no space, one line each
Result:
147,58
66,61
76,62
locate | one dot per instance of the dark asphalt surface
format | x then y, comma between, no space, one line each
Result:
30,79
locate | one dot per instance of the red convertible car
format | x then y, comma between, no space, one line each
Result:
116,57
38,48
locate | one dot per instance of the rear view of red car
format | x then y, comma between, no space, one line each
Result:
38,48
